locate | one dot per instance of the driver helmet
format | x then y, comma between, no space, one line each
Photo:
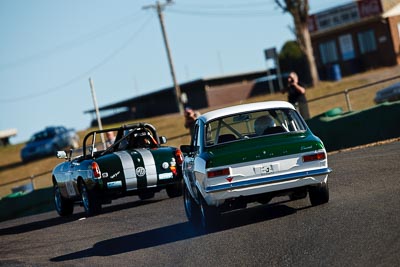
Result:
262,123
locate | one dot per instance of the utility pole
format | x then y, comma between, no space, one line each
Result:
96,108
160,7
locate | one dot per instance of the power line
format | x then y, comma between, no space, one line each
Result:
231,5
78,41
219,14
82,75
251,9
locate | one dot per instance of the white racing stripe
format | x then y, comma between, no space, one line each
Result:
129,169
150,165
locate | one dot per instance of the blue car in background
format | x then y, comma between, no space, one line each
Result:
48,141
388,94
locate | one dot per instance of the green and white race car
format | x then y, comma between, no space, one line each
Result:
135,162
251,153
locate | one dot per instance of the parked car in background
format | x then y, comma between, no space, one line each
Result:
251,153
48,141
135,163
388,94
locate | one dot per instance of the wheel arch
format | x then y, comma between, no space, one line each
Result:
79,181
194,192
54,179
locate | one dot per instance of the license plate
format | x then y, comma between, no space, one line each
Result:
264,169
267,169
163,176
114,184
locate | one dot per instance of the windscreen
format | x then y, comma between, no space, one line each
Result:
252,125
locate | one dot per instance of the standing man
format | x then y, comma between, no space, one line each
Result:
190,118
297,95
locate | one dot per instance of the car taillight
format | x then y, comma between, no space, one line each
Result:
173,169
313,157
96,170
220,172
179,156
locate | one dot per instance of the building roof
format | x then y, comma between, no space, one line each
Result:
207,81
394,11
8,133
351,13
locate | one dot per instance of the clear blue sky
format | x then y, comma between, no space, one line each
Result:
49,49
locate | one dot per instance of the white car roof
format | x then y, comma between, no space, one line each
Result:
211,115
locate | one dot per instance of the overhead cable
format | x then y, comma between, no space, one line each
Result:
83,75
78,41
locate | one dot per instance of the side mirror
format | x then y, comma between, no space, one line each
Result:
62,155
186,149
163,140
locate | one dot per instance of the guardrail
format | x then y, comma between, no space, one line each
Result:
25,184
26,178
347,92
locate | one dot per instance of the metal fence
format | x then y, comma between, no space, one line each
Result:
347,92
25,184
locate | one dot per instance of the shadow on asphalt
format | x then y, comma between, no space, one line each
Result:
32,226
168,234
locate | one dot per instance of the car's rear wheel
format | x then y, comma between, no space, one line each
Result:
175,190
209,216
319,194
64,207
192,210
90,202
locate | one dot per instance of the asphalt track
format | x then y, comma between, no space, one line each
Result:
358,227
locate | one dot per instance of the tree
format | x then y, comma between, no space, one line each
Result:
292,58
299,11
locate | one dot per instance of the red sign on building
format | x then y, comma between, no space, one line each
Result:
368,8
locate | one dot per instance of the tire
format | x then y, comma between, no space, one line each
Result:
209,216
90,202
192,210
175,190
64,207
319,194
147,195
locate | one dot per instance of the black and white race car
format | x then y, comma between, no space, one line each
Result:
135,163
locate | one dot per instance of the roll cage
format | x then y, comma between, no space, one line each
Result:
124,133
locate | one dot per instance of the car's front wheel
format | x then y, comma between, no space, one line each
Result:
64,207
90,202
319,194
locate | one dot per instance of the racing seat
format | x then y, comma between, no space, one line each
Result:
142,140
223,138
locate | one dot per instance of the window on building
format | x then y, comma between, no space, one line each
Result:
328,52
346,46
366,41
